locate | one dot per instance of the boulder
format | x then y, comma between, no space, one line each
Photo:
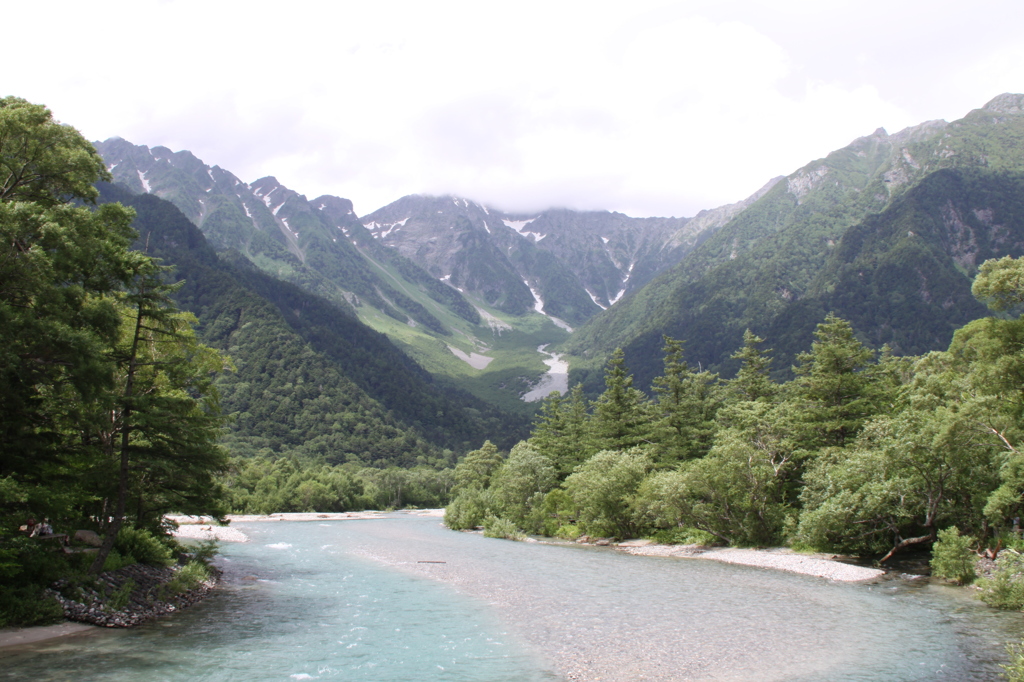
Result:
87,537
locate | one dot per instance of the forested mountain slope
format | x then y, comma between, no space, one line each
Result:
321,246
309,379
297,240
886,231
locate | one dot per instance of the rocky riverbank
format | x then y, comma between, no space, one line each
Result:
779,559
128,596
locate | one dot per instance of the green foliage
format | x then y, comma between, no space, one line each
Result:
468,510
477,467
115,561
520,487
104,395
906,476
832,389
753,380
28,605
621,417
186,578
1014,670
1005,589
682,536
602,490
952,557
567,532
561,432
119,598
737,492
42,161
1000,283
143,546
684,426
265,485
495,527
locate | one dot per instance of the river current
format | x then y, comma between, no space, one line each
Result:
402,598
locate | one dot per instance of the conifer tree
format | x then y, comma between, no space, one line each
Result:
753,380
621,413
832,391
687,404
562,431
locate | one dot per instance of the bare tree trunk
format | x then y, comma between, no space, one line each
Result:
906,543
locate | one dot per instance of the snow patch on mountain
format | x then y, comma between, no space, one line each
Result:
145,182
518,226
629,273
375,228
538,305
594,299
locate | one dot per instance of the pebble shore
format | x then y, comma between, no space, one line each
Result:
92,604
779,559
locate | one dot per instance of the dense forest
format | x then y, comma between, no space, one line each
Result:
861,452
109,417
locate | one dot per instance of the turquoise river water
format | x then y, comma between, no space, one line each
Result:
402,598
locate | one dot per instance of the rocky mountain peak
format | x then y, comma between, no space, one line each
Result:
1006,103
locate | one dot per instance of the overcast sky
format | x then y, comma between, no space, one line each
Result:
658,108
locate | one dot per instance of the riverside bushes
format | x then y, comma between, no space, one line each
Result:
861,453
137,545
27,605
952,557
1005,589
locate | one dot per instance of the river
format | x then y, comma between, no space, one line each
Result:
402,598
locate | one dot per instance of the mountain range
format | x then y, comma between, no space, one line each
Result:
468,291
886,232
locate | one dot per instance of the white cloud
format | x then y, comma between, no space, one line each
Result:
661,108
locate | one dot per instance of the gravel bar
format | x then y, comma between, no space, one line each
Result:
779,559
